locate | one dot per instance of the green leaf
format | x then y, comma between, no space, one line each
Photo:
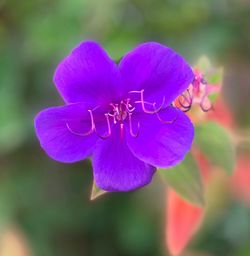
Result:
185,180
203,64
96,192
214,141
13,116
213,75
216,76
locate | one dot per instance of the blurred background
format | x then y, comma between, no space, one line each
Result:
44,205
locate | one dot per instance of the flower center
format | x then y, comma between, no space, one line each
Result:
121,113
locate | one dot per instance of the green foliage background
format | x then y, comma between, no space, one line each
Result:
49,201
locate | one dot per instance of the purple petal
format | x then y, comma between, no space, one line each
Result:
162,144
116,168
55,137
158,70
87,74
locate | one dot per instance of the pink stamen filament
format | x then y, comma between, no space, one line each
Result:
185,108
92,129
204,97
122,130
119,113
109,129
127,105
186,99
143,102
131,127
166,122
201,80
204,109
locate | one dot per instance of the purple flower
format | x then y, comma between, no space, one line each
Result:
120,115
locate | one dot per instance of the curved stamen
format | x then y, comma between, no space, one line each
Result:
182,99
109,129
161,106
95,108
190,95
185,107
92,129
204,97
115,107
203,80
114,117
131,128
166,122
186,99
143,102
205,109
130,109
128,106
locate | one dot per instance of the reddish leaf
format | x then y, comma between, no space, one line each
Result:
221,114
183,219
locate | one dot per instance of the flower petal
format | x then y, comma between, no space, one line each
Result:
87,74
116,168
55,137
158,70
162,144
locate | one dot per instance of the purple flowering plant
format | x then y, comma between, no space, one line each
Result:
120,115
